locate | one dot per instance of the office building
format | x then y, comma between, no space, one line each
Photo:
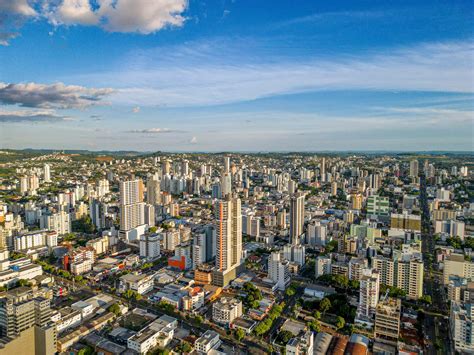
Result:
378,207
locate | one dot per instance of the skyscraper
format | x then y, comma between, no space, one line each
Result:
296,217
185,168
227,164
414,168
226,184
132,207
153,192
322,170
368,296
47,173
228,220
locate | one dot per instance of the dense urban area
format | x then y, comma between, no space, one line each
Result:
234,253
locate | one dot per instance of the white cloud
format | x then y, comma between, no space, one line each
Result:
5,37
13,13
136,109
51,96
17,7
72,12
32,116
140,16
154,130
206,78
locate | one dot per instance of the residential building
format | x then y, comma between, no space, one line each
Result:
278,270
225,310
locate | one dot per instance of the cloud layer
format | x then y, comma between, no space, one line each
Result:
57,95
32,116
155,130
139,16
192,77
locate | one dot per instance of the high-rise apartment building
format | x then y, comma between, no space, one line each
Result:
132,207
456,265
278,270
150,246
405,273
153,192
296,217
47,173
368,296
414,166
462,327
228,225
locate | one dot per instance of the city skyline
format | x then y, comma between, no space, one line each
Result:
226,76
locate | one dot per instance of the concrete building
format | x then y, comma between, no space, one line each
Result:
368,296
228,226
322,265
387,321
225,310
158,334
132,207
296,217
405,273
378,207
150,246
278,270
462,327
455,265
207,342
142,283
303,344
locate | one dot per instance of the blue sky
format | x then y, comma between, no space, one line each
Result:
178,75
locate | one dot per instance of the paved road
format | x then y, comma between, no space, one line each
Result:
435,327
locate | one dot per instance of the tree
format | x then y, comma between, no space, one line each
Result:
426,299
290,291
331,246
317,315
325,305
86,351
184,347
239,334
315,326
83,225
23,282
285,336
340,322
115,309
